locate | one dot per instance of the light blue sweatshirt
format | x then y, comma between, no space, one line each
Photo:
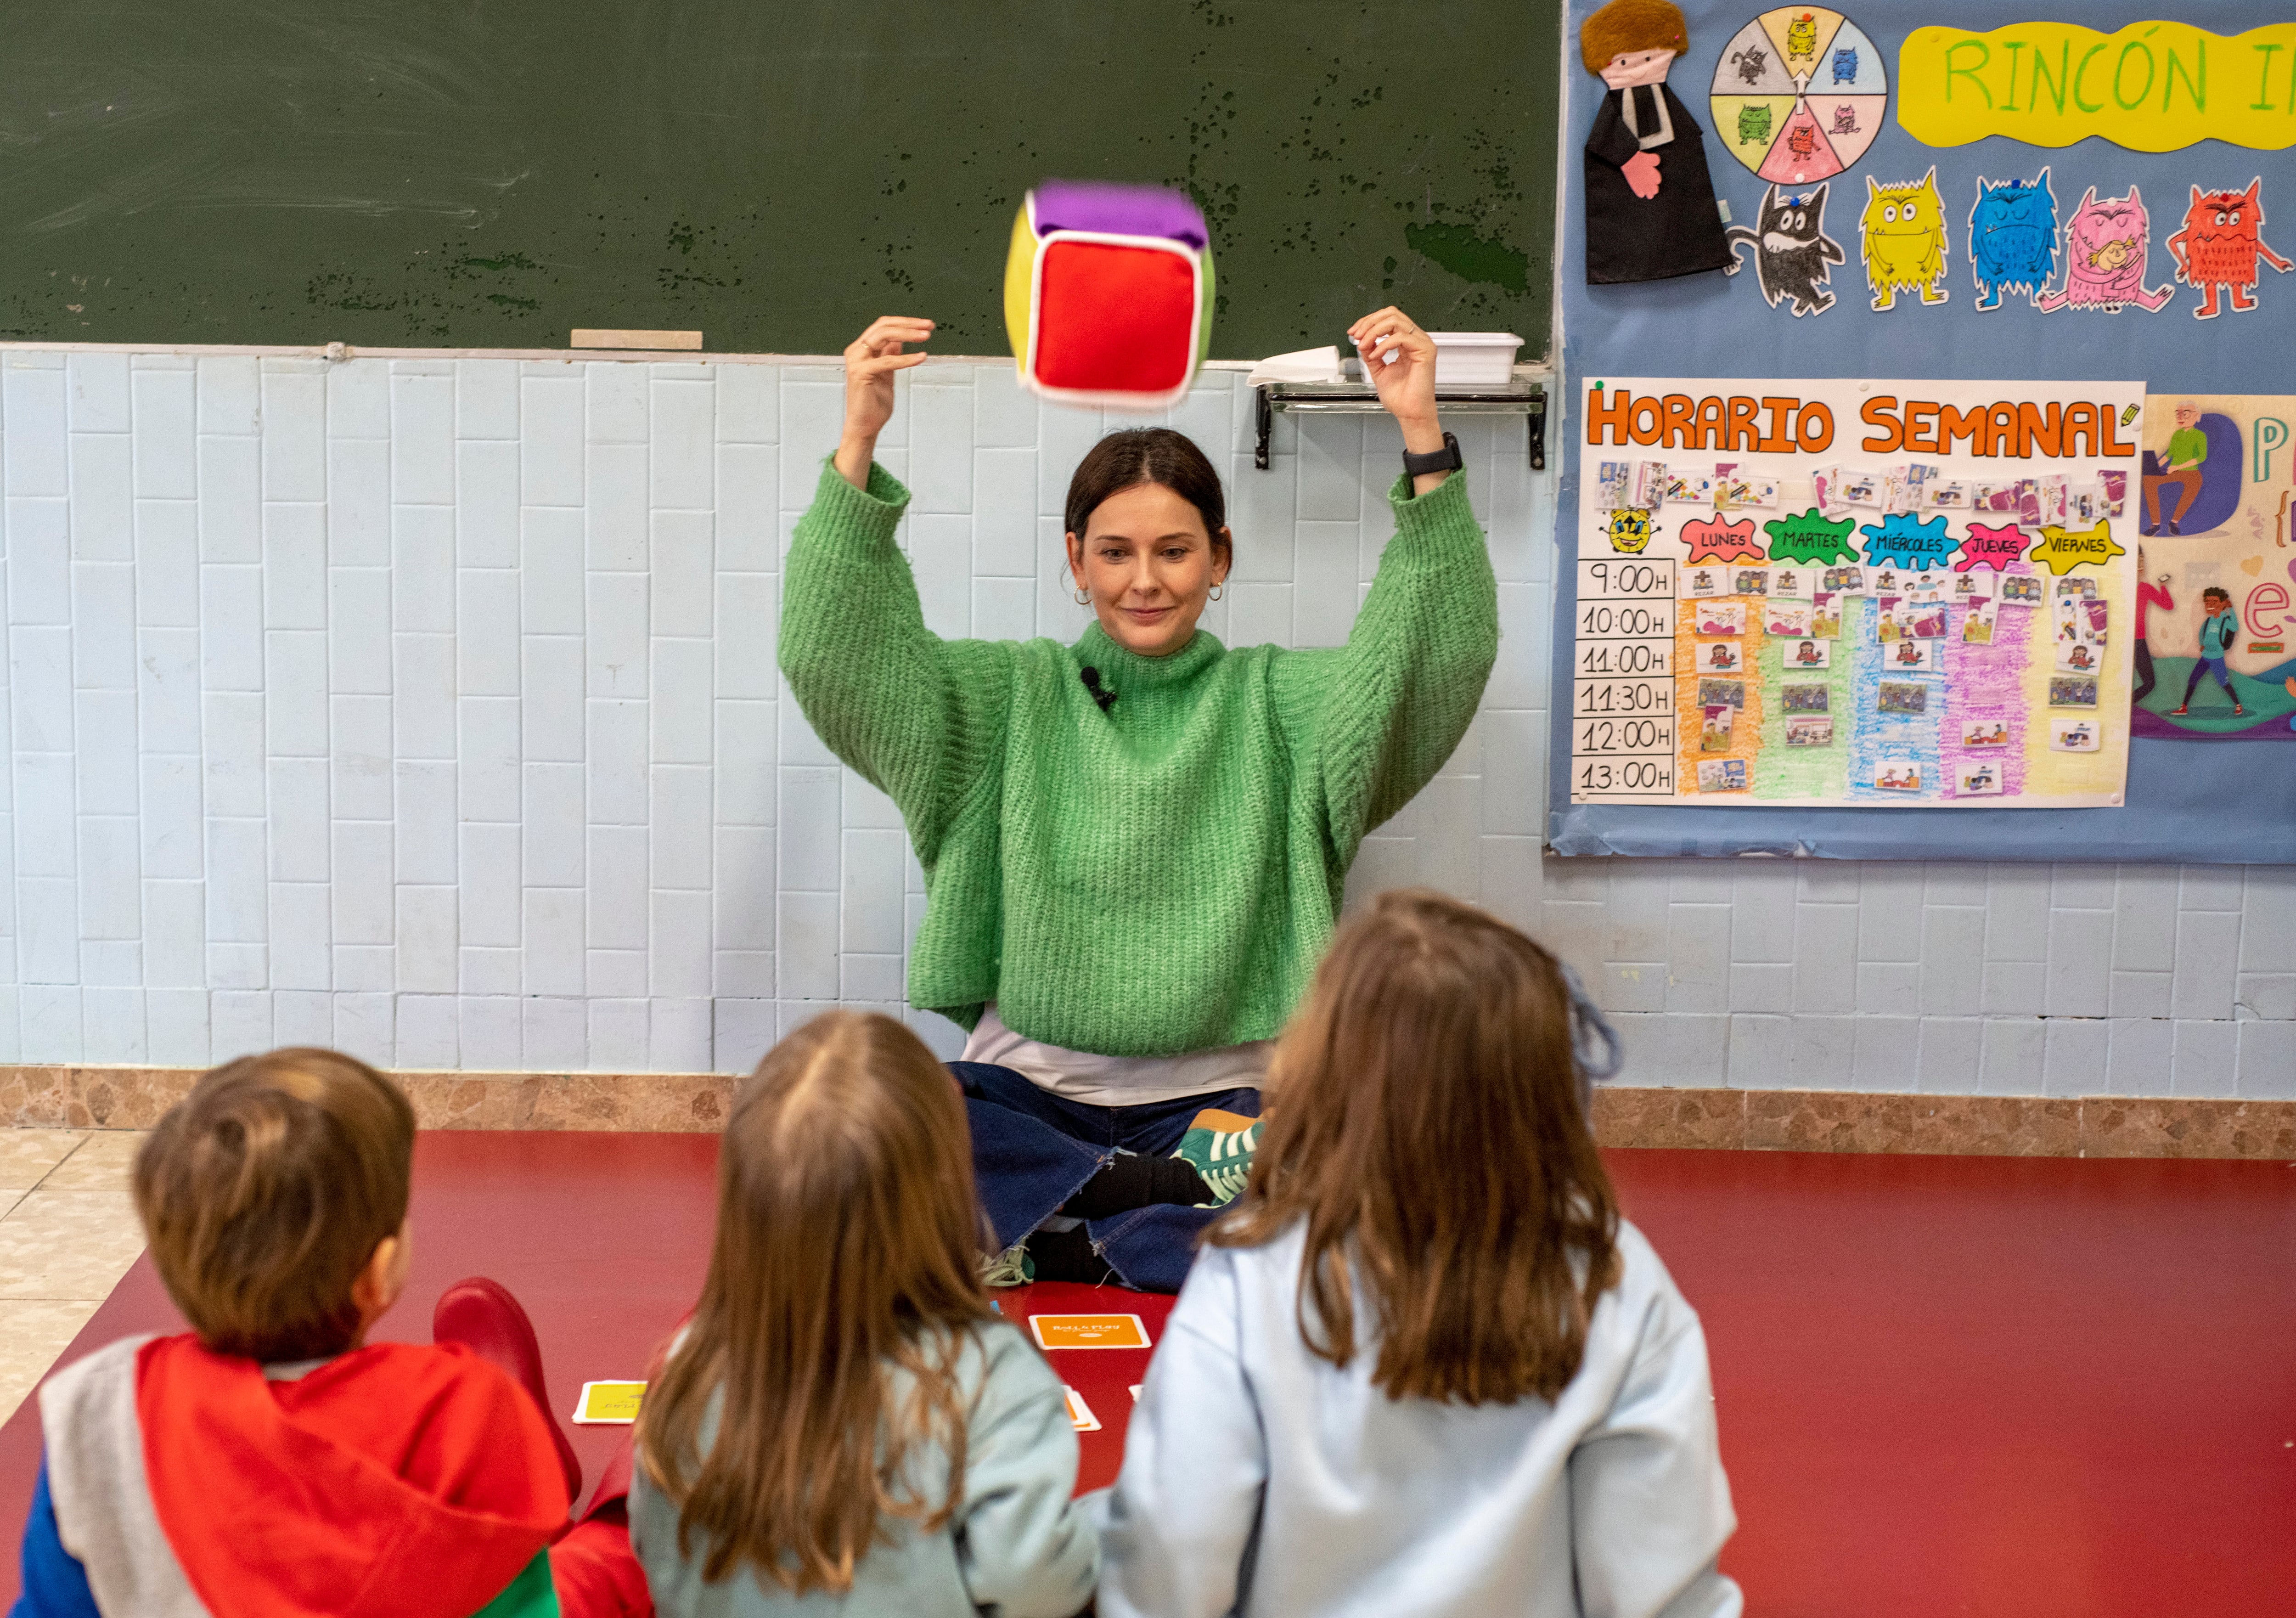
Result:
1260,1479
1019,1545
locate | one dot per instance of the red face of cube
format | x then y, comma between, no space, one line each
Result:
1114,319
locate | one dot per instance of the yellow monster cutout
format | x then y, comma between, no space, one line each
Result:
1903,229
1630,530
1802,37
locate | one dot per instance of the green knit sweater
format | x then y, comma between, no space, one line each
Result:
1162,877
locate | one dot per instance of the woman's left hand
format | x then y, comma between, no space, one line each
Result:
1405,384
1399,361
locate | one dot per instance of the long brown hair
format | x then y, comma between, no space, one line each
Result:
846,1247
1424,1122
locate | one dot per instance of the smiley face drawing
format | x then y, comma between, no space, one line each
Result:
1630,530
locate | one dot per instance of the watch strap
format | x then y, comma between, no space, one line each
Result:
1446,459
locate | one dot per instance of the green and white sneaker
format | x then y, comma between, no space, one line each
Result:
1220,1147
1010,1268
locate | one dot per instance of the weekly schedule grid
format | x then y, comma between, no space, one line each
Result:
1869,593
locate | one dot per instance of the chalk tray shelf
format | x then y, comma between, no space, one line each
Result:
1521,396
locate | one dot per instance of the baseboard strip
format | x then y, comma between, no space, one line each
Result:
1776,1121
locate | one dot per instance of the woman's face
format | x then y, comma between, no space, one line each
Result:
1150,565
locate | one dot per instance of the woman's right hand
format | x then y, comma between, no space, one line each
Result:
870,361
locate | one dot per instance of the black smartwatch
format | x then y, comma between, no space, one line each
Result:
1446,459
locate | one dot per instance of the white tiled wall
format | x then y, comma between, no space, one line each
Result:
428,707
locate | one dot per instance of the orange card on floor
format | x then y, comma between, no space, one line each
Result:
609,1403
1088,1331
1080,1413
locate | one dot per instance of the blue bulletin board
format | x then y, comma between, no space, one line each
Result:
2210,801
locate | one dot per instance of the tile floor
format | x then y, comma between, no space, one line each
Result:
68,1233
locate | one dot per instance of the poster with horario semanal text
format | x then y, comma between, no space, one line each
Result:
1854,593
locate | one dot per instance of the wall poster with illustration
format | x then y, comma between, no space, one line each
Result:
2216,599
1871,594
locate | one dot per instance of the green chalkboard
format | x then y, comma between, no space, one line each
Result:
497,172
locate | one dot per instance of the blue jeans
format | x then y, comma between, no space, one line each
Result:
1033,1150
2210,665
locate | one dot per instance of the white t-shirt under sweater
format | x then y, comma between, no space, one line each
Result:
1258,1478
1117,1081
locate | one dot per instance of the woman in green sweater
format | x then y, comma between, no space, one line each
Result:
1133,847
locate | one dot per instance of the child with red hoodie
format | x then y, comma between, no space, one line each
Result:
272,1462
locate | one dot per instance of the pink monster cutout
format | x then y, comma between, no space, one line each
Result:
2105,246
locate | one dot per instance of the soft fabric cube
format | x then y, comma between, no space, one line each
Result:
1108,293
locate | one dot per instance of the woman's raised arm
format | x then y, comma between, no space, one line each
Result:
870,361
913,714
1398,360
1387,710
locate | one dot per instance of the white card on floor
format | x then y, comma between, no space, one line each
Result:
1080,1413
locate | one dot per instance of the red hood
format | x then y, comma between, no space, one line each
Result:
397,1479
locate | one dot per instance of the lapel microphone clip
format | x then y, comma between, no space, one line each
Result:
1090,676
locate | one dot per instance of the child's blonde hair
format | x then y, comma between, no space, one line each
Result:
1427,1122
266,1191
848,1248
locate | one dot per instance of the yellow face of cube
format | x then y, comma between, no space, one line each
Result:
1019,270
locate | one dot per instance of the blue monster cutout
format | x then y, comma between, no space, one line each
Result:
2012,238
1845,65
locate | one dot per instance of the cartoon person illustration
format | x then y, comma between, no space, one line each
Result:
2218,631
1722,658
1910,651
2078,658
1807,653
2188,447
1650,212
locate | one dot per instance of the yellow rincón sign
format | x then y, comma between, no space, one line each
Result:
2152,86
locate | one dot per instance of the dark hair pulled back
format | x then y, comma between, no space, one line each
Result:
1134,456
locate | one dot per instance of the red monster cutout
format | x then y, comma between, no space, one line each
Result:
2218,244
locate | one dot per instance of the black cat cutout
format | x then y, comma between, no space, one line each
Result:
1791,252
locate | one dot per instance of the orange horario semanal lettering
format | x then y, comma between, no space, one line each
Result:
2020,429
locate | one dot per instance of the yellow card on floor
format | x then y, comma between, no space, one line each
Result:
1088,1331
1080,1413
608,1403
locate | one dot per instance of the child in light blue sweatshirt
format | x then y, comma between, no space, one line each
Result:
846,1426
1424,1367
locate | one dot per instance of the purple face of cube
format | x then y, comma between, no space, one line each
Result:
1119,210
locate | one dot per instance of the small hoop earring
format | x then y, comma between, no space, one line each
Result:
1083,596
1220,589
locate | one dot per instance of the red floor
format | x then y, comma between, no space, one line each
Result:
1946,1386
